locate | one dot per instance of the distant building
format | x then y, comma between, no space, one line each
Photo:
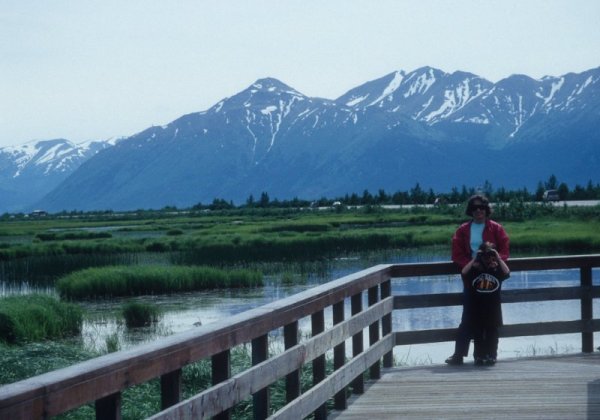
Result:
551,195
38,213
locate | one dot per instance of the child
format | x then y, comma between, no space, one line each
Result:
483,275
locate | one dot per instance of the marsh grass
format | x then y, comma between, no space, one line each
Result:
554,235
104,282
140,314
278,235
288,278
112,343
71,247
31,359
74,235
37,317
42,270
533,350
306,246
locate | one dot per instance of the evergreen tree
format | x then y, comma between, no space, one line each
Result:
367,198
552,183
250,201
563,191
417,196
264,200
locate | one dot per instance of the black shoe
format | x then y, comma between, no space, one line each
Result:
455,359
490,361
479,361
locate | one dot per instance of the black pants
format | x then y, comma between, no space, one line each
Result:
464,332
486,341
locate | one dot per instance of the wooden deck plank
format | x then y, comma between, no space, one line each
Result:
560,387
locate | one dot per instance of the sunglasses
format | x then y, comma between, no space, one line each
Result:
478,207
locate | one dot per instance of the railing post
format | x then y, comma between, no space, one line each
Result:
260,353
221,371
292,380
339,356
356,303
587,338
170,389
318,364
386,323
373,296
109,407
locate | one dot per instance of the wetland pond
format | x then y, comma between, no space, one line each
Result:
182,312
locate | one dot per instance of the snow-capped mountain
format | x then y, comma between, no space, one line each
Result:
426,95
31,170
49,156
429,127
433,97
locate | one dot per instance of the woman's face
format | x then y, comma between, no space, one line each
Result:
478,211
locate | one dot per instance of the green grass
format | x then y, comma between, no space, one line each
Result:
140,314
271,235
74,235
31,359
555,235
104,282
36,318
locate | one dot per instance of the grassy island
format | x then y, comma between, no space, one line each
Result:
104,282
36,318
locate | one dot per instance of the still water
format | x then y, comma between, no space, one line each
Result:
182,312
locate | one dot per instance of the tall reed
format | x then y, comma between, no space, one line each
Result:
37,317
140,314
103,282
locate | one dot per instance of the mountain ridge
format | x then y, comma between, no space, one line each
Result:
388,133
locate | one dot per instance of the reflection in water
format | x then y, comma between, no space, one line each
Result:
185,311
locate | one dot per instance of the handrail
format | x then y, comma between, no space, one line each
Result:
103,379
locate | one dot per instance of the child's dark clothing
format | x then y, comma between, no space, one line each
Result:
485,309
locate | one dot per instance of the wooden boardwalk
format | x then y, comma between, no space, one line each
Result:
559,387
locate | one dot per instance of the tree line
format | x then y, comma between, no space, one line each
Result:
419,196
415,196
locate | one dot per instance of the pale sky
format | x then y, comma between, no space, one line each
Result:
92,70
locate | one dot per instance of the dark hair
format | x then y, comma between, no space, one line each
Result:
485,249
484,201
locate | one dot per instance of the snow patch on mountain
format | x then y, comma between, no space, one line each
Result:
587,82
218,106
518,117
454,101
391,87
357,100
422,84
555,88
54,152
268,110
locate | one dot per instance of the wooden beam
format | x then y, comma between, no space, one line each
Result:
292,379
340,401
307,402
237,388
170,388
587,311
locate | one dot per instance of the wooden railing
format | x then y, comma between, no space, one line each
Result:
367,293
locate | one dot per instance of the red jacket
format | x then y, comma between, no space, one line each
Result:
492,232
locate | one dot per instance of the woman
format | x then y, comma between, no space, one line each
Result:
465,243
